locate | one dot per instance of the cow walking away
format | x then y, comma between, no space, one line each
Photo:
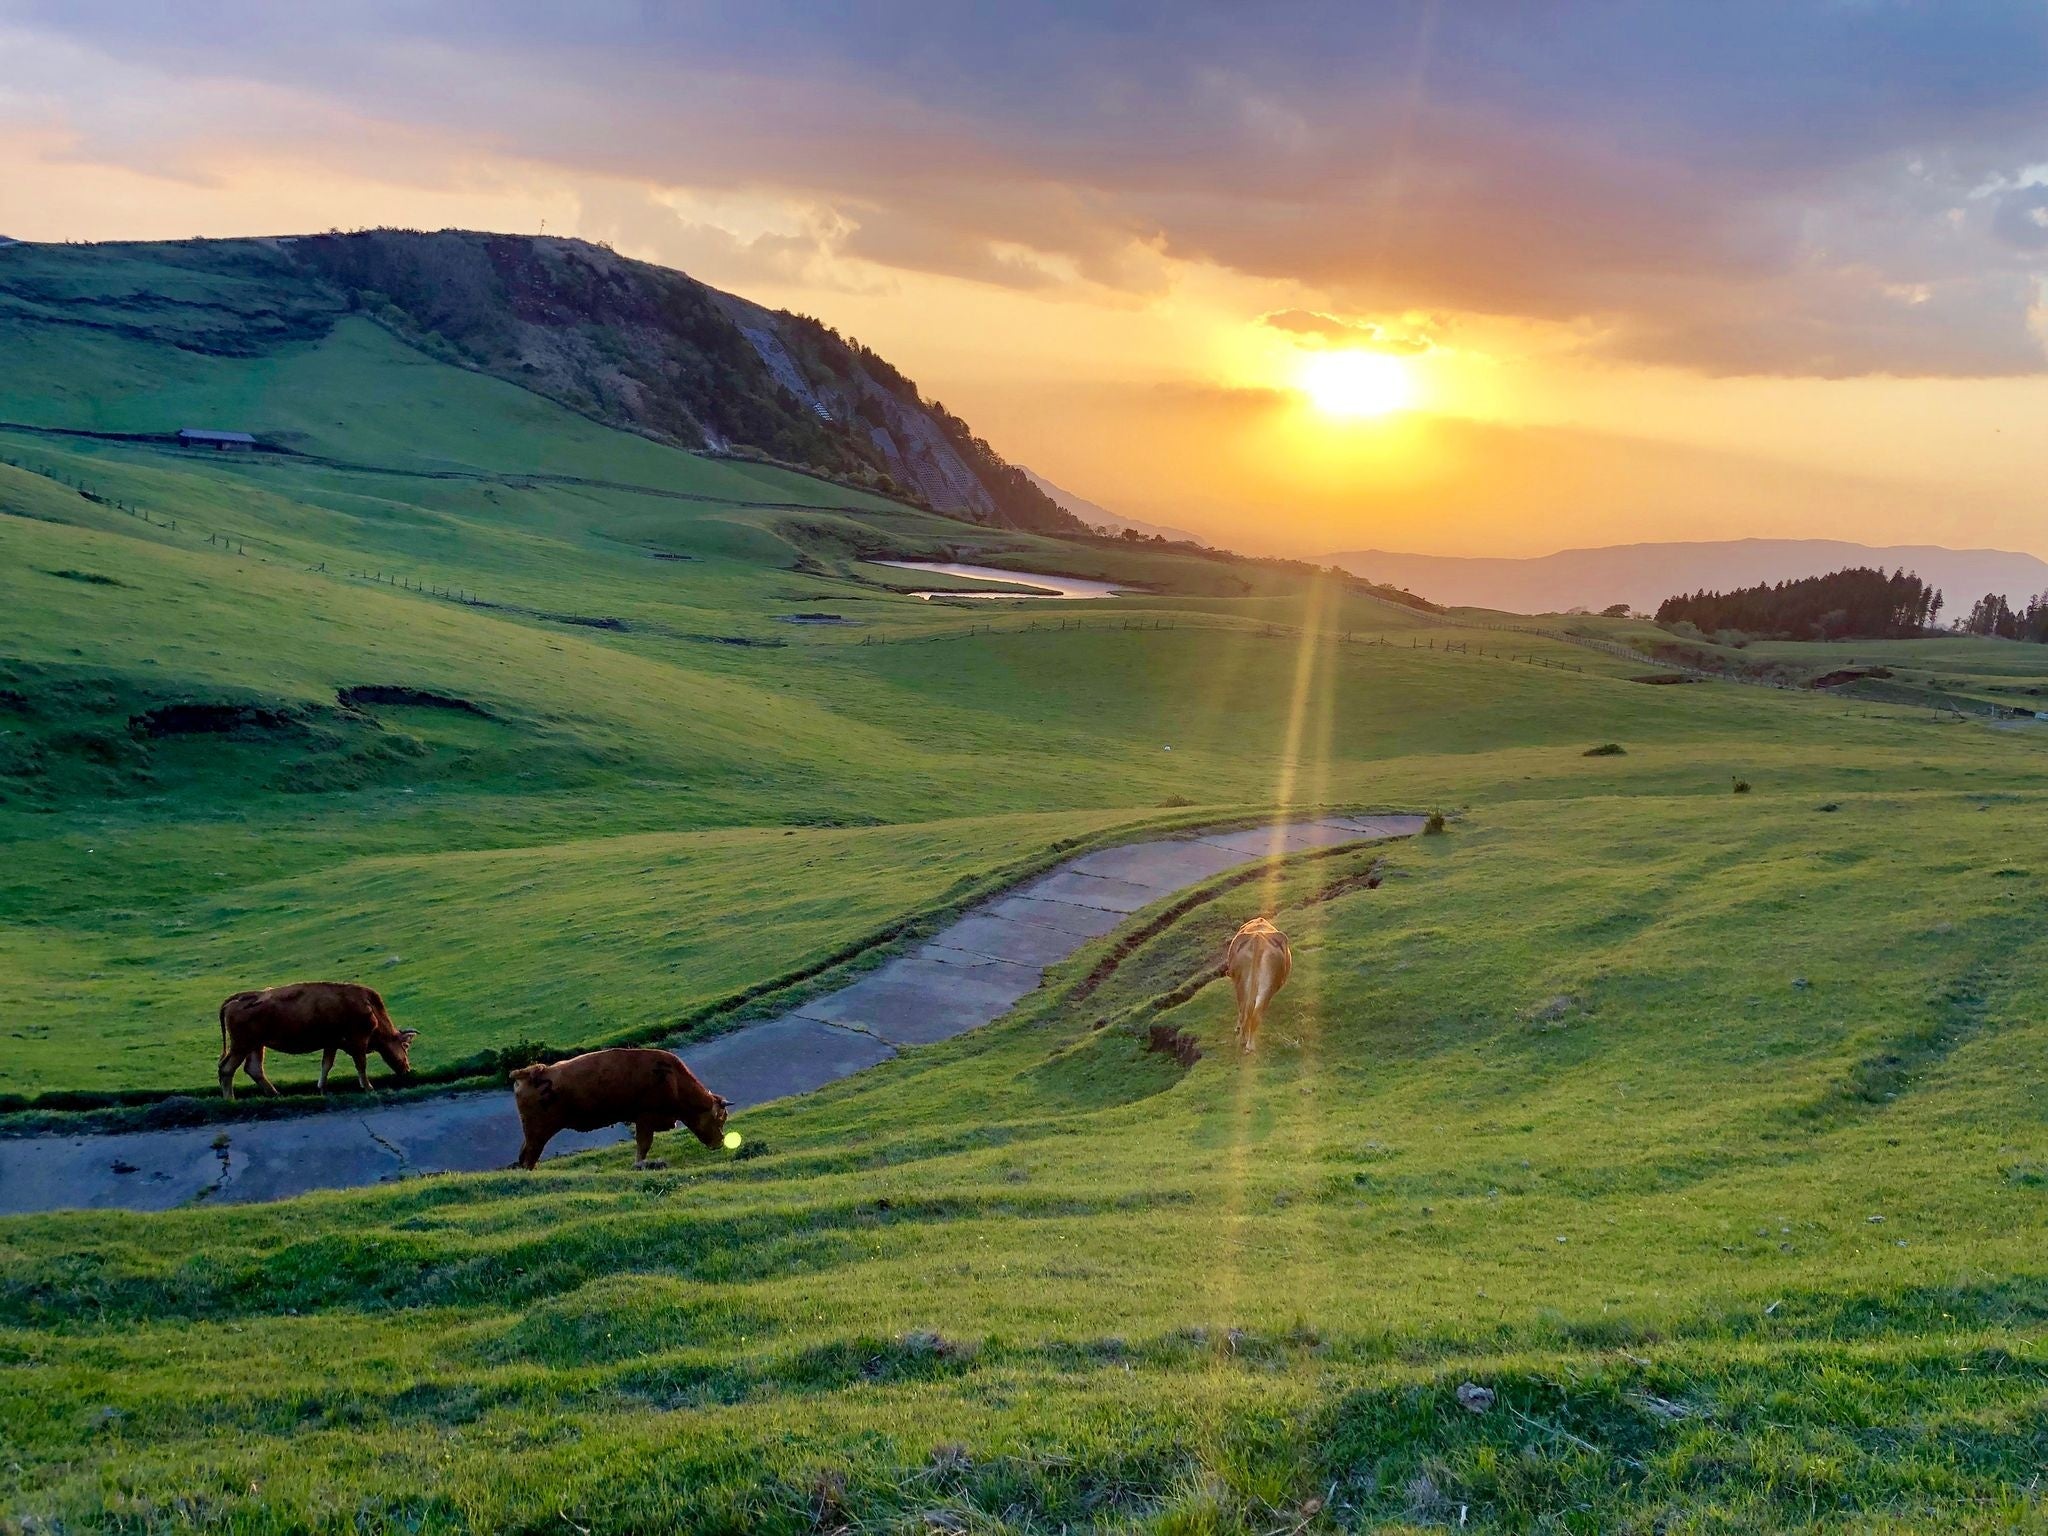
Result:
647,1089
325,1016
1258,961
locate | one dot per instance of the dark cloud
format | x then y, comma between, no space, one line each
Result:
1784,186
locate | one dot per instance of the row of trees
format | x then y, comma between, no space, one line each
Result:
1859,603
1993,615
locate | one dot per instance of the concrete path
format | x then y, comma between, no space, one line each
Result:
971,973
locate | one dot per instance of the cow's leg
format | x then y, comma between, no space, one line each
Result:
362,1061
536,1142
254,1067
643,1140
326,1066
230,1064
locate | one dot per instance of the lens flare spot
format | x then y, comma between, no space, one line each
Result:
732,1141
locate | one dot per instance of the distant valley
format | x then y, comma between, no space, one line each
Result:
1643,575
1098,516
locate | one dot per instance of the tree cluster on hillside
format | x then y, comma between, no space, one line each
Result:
1859,603
1993,615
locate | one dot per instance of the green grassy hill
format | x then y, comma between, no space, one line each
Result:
1702,1128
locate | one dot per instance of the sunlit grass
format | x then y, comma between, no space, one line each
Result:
1701,1129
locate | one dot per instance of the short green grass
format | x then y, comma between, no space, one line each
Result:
1703,1130
577,943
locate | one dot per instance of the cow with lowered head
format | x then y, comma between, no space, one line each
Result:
324,1016
647,1089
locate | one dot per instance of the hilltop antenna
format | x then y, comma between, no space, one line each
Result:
543,226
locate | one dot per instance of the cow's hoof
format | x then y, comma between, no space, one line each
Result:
651,1163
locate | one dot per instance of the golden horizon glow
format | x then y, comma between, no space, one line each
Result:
1350,383
1178,404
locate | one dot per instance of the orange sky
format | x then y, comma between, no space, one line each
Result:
1605,336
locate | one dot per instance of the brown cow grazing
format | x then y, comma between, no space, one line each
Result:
1258,962
324,1016
649,1090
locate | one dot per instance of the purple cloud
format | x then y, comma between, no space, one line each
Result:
1777,186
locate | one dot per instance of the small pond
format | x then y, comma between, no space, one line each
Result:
1046,586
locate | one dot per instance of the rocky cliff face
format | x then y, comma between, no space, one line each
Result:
654,350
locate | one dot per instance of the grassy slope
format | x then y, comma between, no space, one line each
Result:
589,733
1036,1277
1944,671
272,851
1132,1296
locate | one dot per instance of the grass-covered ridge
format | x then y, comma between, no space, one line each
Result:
1702,1129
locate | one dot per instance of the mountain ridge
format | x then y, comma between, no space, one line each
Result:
629,343
1644,574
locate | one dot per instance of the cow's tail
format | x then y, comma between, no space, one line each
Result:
227,1003
1266,981
1260,992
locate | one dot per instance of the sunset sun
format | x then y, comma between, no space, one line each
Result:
1353,383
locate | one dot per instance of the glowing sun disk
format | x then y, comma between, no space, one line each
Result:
1352,383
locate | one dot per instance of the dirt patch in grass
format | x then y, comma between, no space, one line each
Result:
211,719
89,578
580,620
369,695
1358,880
1166,1040
1843,675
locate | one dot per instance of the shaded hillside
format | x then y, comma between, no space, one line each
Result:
629,343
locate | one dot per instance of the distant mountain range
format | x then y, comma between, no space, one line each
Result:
1099,516
1643,575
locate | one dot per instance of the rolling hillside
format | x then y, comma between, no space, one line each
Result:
1683,1096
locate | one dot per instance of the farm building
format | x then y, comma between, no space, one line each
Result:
200,437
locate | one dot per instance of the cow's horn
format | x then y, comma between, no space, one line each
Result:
408,1034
